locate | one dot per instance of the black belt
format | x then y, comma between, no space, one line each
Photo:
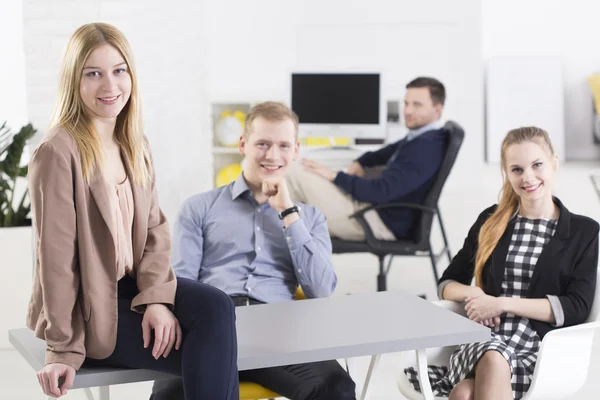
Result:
244,301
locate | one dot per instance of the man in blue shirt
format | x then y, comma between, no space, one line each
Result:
253,242
409,167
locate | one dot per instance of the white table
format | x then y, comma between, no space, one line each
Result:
308,331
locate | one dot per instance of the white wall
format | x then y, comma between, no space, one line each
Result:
523,91
560,28
12,68
15,244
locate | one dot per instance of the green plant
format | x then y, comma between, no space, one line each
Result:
11,151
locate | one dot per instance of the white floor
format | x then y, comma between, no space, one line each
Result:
465,195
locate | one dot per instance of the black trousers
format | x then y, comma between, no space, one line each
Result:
325,380
207,359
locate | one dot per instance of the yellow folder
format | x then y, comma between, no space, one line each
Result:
594,82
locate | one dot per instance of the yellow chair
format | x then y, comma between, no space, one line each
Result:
228,174
300,294
254,391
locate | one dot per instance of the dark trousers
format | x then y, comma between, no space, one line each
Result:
325,380
207,359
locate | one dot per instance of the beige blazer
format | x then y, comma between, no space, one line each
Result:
73,304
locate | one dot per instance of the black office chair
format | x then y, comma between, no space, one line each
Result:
421,245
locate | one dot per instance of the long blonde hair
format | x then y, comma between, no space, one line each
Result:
70,114
493,229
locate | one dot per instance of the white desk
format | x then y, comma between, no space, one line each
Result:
308,331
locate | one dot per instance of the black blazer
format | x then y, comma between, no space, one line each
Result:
566,267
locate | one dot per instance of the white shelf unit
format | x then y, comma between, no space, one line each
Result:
223,155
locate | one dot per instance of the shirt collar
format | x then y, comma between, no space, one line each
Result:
432,126
239,187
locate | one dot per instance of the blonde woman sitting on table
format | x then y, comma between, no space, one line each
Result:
104,292
534,264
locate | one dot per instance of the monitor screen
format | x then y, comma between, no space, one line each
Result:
336,98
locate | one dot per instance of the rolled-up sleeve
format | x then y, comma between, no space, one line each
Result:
557,310
442,286
577,298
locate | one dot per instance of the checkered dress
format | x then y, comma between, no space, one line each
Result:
514,338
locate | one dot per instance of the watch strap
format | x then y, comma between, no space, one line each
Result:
288,211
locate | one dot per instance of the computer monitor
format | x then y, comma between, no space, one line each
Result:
338,104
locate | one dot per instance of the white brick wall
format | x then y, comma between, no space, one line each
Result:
168,45
12,74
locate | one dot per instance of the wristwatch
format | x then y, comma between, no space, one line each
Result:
289,211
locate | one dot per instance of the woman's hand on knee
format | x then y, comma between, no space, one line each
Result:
167,331
49,378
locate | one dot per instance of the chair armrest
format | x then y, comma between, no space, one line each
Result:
369,235
360,213
370,238
453,306
563,362
558,374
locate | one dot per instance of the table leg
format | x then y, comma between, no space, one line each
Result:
104,393
372,366
423,374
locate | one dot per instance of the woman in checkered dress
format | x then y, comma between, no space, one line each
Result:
534,265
